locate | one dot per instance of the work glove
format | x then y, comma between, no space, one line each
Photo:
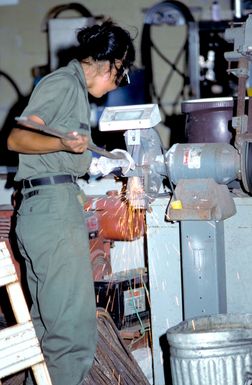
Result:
105,166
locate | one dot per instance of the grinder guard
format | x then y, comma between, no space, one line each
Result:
149,160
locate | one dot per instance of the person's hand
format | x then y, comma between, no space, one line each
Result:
105,166
76,143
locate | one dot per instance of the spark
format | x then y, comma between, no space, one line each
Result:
154,276
131,225
106,308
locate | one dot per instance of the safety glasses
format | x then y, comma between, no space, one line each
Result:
122,77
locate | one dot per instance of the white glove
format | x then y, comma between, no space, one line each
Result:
105,165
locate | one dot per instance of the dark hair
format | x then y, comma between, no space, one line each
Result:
106,42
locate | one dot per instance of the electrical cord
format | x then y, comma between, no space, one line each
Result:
169,13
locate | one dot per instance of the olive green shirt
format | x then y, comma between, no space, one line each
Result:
61,100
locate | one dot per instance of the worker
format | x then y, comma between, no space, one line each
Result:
51,228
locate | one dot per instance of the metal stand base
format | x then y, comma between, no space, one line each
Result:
203,268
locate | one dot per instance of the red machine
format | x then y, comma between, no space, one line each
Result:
110,218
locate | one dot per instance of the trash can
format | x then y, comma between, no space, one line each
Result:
212,350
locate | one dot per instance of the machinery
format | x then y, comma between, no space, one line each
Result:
201,173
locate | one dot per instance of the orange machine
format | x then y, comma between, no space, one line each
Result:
110,218
117,220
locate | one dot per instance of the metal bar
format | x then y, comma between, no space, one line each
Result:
194,68
242,80
28,123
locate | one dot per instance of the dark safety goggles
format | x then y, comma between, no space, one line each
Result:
122,77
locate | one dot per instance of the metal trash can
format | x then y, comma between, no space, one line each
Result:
212,350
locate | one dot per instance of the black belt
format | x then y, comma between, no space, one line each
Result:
56,179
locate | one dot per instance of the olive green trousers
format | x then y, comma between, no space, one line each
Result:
53,240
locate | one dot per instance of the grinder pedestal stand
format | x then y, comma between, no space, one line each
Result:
203,268
201,172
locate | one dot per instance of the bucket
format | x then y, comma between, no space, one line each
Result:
212,350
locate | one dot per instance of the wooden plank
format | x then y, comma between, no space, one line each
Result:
7,268
19,346
19,349
41,374
18,302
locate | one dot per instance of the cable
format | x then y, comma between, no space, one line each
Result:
169,13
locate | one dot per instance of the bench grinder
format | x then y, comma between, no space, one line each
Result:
201,173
